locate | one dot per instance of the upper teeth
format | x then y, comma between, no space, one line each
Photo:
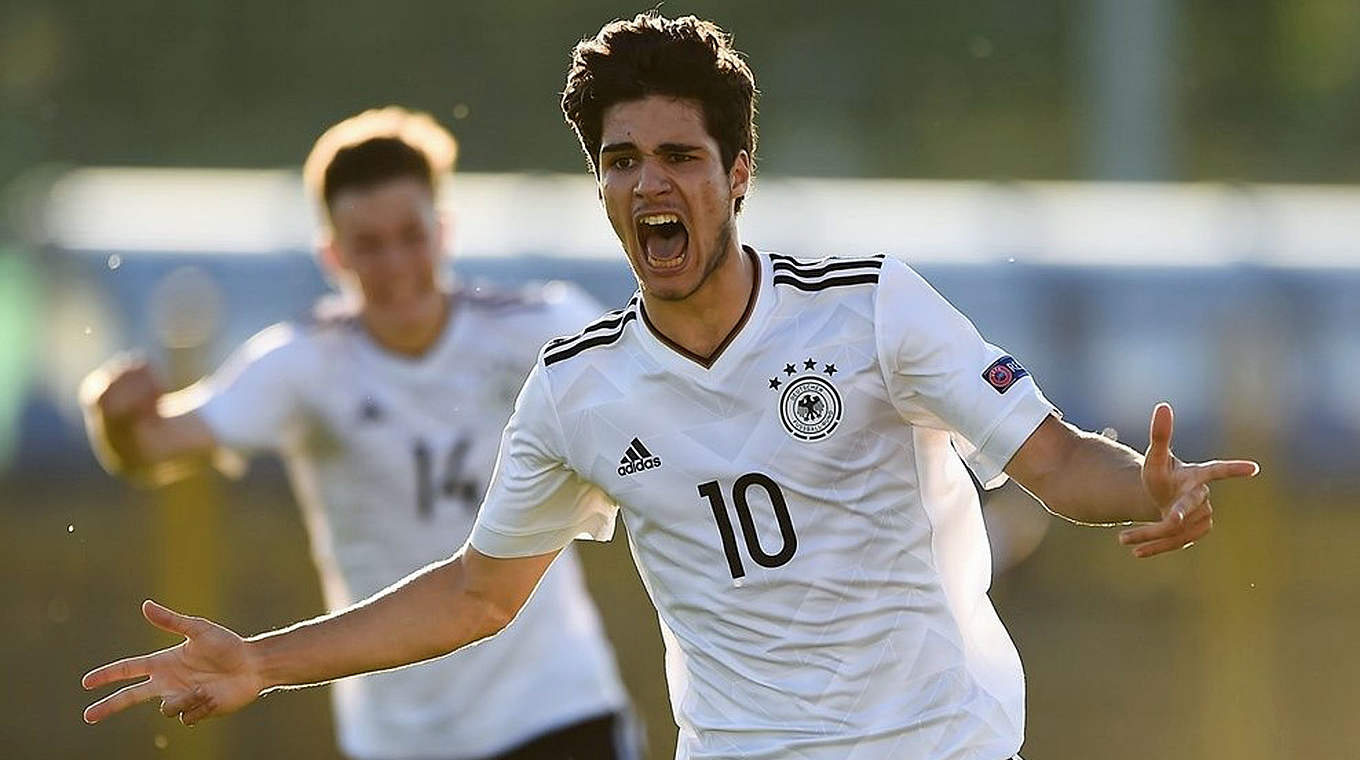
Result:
659,218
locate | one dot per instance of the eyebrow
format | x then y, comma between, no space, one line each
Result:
678,148
617,147
621,147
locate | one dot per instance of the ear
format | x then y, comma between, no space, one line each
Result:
445,223
330,256
740,175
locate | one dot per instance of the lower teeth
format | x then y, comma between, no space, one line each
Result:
665,263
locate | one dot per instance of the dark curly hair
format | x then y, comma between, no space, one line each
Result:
685,58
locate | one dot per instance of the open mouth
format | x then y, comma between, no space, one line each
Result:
664,240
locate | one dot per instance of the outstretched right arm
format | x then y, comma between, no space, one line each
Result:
535,506
445,606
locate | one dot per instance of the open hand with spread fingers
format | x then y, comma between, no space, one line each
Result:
210,673
1180,490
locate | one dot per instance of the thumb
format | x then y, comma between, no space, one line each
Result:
168,620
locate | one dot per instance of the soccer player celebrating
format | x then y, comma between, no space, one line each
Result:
387,412
786,439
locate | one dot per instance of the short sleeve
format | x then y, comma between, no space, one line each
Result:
941,374
536,503
253,401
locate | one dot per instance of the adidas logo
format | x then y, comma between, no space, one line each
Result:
636,459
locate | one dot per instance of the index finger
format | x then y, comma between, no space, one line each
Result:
1222,470
122,670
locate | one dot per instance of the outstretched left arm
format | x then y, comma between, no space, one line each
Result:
1091,480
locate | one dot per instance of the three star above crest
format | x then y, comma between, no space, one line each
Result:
809,364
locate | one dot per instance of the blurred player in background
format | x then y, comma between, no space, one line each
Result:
387,409
787,439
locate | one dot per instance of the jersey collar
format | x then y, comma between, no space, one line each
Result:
757,306
451,335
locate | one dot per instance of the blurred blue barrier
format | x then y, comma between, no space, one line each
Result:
1106,343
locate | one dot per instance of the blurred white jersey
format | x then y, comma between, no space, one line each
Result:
798,509
389,457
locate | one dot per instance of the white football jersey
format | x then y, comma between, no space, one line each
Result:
389,457
798,508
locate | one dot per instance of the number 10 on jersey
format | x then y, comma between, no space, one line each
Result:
713,491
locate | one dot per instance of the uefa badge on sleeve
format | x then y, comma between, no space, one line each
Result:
1003,373
809,405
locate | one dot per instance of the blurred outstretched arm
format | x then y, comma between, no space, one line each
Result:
135,427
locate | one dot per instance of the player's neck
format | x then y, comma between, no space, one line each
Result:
702,322
415,330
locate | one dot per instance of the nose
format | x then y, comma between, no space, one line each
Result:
651,180
386,257
394,259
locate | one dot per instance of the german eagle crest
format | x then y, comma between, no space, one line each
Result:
809,405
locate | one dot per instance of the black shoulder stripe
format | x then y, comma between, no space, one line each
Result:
577,347
813,269
826,273
607,322
786,257
808,262
830,282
